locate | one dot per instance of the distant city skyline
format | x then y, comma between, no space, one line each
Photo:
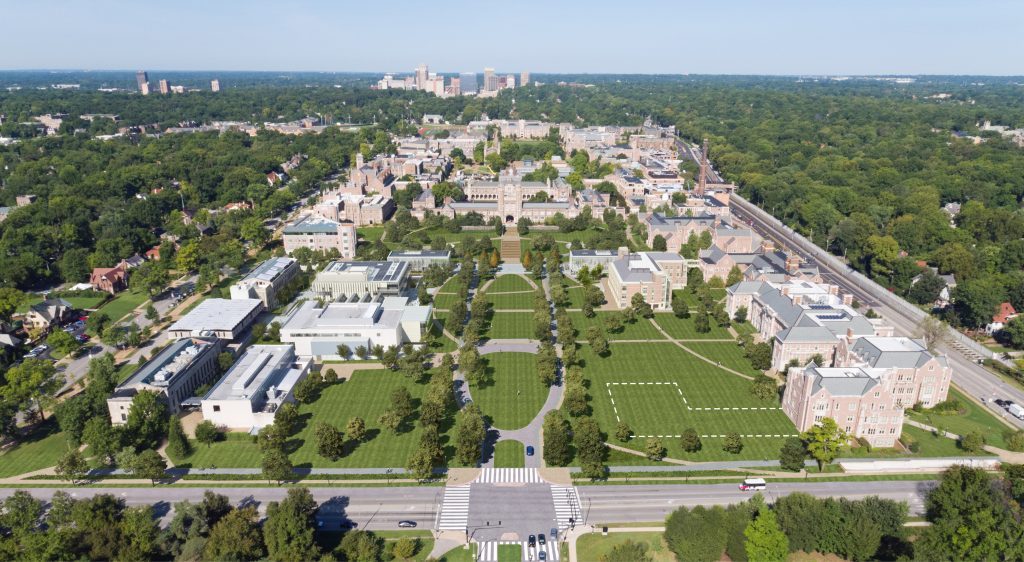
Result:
798,37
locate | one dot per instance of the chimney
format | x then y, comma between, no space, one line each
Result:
785,290
792,263
767,245
797,299
848,299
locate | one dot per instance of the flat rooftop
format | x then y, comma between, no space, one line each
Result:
377,271
268,271
420,254
217,314
170,362
259,368
312,225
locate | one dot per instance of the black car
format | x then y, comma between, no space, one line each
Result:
406,524
541,540
532,541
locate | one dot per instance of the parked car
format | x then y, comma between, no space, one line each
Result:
542,555
529,450
753,484
554,534
406,524
531,541
541,540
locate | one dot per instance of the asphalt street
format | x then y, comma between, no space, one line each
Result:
522,510
630,504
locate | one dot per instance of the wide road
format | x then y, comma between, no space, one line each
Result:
382,508
974,379
367,508
632,504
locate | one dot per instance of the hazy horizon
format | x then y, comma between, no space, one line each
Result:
741,37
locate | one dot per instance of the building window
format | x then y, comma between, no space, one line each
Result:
853,406
216,408
123,417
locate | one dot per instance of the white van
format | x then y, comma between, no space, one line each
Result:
753,484
1016,411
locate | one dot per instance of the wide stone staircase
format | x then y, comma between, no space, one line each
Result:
509,247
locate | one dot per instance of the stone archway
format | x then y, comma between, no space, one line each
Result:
509,219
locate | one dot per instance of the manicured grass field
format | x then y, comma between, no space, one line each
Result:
509,284
691,298
460,554
516,395
511,325
642,329
662,410
41,449
437,341
366,395
575,297
28,302
85,303
594,546
509,454
729,353
686,329
123,304
370,233
511,301
445,300
974,418
744,328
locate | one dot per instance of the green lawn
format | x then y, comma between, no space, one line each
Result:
516,395
511,301
642,329
445,300
594,546
460,554
575,297
509,284
509,454
744,328
85,303
510,553
124,303
370,233
365,395
126,370
691,298
729,353
41,449
662,409
974,418
686,329
510,325
30,300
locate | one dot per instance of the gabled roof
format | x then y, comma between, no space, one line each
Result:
842,381
893,352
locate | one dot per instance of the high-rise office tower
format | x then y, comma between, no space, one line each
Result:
524,78
454,87
145,88
467,83
214,85
141,77
422,74
490,80
165,87
510,81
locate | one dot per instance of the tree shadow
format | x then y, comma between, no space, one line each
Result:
487,448
301,422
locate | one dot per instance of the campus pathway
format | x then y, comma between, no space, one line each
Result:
695,354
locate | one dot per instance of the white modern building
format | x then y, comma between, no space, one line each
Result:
419,260
226,319
318,332
320,235
248,395
361,280
578,259
264,281
174,374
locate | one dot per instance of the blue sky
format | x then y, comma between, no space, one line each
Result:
596,36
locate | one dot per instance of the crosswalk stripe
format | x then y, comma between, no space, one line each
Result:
454,508
509,476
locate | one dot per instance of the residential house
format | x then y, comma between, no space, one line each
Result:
111,280
46,314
